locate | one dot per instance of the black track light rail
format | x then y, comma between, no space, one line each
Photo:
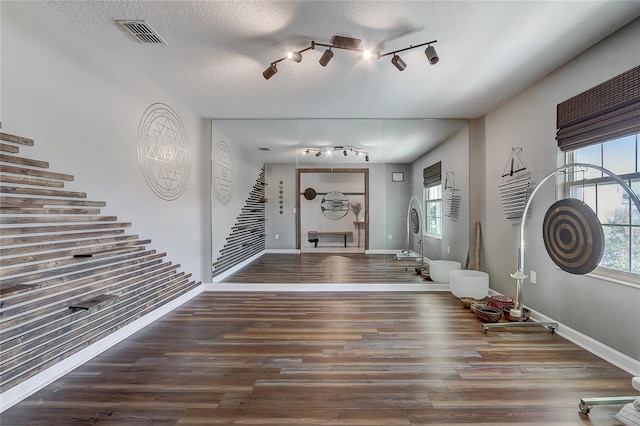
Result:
335,46
272,70
407,48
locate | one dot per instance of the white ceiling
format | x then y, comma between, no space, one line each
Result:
217,51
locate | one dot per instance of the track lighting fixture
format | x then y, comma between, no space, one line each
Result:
294,56
432,55
326,57
329,151
398,62
270,72
366,158
352,44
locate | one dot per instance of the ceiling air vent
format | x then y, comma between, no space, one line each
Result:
142,32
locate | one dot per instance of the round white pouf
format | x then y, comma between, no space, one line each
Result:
467,283
439,270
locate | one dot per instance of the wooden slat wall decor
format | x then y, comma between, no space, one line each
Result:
247,236
69,276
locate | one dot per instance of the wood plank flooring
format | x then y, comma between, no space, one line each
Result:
329,359
327,268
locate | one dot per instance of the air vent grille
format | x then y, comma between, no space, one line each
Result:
142,32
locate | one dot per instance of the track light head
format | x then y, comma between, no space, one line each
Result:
366,54
270,72
366,158
305,152
345,152
326,57
318,154
432,55
294,56
398,62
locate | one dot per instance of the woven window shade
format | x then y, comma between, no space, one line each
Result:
607,111
432,175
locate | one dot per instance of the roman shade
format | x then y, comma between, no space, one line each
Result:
432,175
607,111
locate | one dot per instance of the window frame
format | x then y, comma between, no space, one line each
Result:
625,277
438,218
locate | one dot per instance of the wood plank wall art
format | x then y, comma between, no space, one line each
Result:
247,237
70,276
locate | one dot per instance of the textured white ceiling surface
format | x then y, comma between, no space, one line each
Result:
217,50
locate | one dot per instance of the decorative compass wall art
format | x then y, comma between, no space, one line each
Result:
164,154
222,172
335,205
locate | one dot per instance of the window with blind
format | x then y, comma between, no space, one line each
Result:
432,196
601,126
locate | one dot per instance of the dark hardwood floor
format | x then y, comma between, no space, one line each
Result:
327,268
329,359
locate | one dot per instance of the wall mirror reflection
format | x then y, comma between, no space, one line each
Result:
326,200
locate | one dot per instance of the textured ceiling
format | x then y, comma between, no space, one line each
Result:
217,50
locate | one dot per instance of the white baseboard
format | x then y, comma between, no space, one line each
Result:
382,251
282,251
33,384
620,360
316,287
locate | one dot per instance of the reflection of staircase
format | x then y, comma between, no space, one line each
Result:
69,276
247,237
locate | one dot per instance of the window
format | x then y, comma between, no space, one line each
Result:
601,126
432,196
433,211
618,215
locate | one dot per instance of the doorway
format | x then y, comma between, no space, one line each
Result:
325,204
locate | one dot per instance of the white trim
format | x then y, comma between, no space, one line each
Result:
625,278
33,384
383,251
282,251
620,360
236,268
315,287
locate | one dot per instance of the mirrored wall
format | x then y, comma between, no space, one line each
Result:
303,192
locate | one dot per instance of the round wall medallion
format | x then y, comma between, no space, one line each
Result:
573,236
164,154
335,205
309,193
222,172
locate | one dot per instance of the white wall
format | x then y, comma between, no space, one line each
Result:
282,224
83,107
603,310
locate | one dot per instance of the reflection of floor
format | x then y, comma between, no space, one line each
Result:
315,250
327,268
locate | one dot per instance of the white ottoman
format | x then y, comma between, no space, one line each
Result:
439,270
467,283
